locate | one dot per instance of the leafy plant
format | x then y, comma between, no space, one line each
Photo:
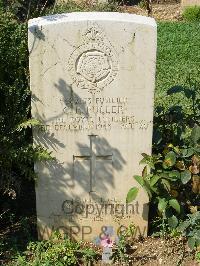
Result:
191,229
121,250
197,256
173,124
171,175
143,4
56,251
173,182
192,13
88,255
119,253
17,153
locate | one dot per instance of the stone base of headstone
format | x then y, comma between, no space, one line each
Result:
106,255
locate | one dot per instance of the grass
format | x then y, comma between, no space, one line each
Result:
177,55
192,13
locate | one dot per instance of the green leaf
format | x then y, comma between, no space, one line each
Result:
198,242
170,160
185,176
147,187
146,156
162,204
166,184
144,172
165,174
154,180
191,242
183,226
174,174
187,152
173,221
29,123
197,149
177,150
132,194
180,165
139,179
155,190
175,205
195,216
195,134
147,159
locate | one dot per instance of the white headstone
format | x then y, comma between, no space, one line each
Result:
92,82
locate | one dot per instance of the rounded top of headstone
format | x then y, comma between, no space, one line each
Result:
91,16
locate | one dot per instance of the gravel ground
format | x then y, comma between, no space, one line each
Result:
159,252
167,11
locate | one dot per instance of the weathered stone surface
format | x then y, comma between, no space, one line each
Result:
92,82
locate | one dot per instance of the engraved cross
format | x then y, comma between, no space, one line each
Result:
92,157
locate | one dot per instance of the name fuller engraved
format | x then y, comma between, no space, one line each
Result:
95,113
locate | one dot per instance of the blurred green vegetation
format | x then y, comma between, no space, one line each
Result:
192,13
177,55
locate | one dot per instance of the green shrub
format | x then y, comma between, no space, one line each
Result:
17,153
56,252
191,229
197,256
192,13
173,123
173,183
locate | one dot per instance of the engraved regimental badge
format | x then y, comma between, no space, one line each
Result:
93,65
